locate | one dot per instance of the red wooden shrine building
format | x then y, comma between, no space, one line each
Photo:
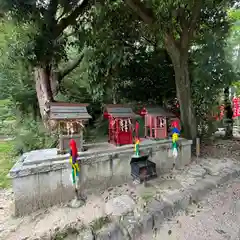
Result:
120,118
157,122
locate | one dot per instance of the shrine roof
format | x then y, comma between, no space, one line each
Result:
159,111
68,111
118,110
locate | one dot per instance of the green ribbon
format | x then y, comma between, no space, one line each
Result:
174,145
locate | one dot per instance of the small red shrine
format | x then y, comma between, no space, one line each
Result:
157,122
120,124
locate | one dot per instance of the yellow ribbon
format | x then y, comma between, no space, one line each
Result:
174,137
75,167
136,143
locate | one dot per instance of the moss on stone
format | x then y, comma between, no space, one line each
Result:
100,223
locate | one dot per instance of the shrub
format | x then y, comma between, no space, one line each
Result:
32,135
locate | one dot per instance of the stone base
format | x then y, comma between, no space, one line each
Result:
76,203
42,178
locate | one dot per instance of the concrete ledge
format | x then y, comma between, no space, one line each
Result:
41,179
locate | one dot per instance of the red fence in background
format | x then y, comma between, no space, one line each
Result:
235,107
175,108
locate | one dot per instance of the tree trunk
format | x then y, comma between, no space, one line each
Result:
183,87
179,59
228,115
44,91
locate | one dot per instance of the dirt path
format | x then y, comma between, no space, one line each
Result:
55,217
44,220
215,218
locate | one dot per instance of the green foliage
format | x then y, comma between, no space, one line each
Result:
16,81
233,46
7,119
108,53
211,72
119,66
32,135
148,78
6,162
99,223
5,113
52,21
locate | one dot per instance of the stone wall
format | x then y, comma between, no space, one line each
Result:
42,178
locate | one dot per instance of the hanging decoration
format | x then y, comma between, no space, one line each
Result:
222,110
68,126
236,107
136,147
74,163
175,135
112,123
72,131
162,122
137,129
121,124
81,124
126,125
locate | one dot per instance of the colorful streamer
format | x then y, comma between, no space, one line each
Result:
73,162
136,147
175,136
75,171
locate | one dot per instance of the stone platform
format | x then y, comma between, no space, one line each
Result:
41,178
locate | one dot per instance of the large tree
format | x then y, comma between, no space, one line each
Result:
54,23
178,23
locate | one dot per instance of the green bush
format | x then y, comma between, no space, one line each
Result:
97,132
6,162
32,135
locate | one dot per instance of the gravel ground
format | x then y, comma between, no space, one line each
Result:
217,217
219,148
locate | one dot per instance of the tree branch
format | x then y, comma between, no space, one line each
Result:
70,67
189,29
144,13
149,40
195,17
181,14
172,47
71,18
51,14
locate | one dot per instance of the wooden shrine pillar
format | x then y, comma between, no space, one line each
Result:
155,128
145,125
150,125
